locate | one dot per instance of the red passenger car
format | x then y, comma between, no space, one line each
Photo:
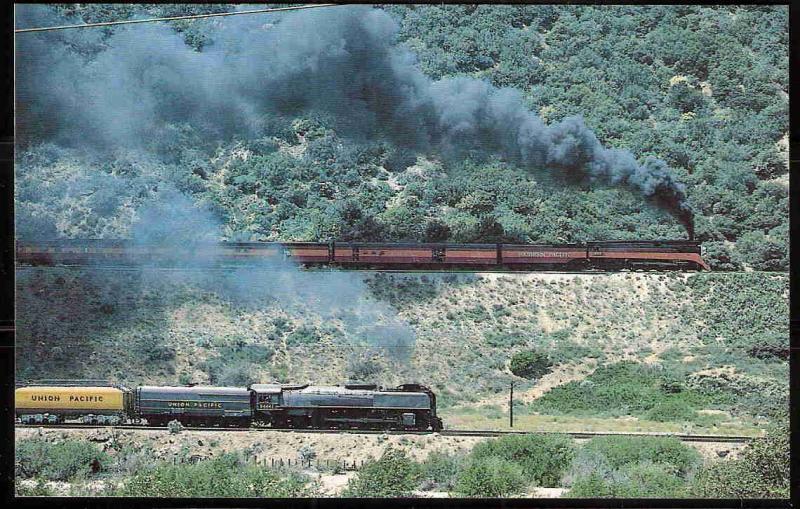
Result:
470,254
307,252
373,254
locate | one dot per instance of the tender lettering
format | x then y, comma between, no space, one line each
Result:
194,404
72,398
85,399
45,397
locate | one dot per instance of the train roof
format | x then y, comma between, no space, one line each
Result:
205,389
128,242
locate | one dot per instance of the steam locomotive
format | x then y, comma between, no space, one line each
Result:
352,406
611,255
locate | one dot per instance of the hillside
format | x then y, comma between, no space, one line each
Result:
702,89
627,350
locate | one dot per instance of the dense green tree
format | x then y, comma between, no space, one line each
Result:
530,364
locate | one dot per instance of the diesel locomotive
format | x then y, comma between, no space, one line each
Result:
611,255
351,406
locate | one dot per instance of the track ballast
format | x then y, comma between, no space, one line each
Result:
458,433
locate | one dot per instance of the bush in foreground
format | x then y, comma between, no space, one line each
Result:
631,481
490,477
542,458
440,471
762,471
631,467
393,475
226,476
61,461
622,451
40,489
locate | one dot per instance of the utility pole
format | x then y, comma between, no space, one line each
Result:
511,406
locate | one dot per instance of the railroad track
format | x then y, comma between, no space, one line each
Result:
451,432
117,268
226,268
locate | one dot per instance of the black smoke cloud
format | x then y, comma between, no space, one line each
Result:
343,61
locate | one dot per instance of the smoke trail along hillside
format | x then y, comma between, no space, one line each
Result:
121,90
187,230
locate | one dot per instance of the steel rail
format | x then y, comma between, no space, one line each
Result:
134,268
448,432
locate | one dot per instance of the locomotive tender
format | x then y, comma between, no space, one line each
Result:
610,255
358,406
91,402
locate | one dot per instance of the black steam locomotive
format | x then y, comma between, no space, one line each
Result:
352,406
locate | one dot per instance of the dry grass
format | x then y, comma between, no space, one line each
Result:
461,418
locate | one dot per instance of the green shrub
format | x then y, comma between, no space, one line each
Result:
631,467
153,349
500,338
625,388
175,427
229,370
620,451
490,476
40,489
131,459
236,374
769,346
630,481
303,335
60,461
226,476
762,470
671,410
565,351
592,485
530,364
440,470
542,458
755,395
364,369
477,314
393,475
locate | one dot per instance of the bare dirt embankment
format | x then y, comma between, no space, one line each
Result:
264,445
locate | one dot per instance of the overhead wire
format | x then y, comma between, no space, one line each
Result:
172,18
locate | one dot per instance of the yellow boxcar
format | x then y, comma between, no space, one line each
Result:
69,400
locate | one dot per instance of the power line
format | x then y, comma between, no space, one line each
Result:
173,18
